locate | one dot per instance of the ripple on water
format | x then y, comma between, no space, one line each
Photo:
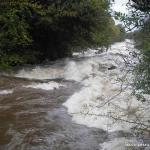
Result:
122,144
45,86
5,92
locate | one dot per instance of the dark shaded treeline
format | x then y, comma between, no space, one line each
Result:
32,31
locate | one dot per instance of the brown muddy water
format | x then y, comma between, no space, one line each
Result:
33,119
42,107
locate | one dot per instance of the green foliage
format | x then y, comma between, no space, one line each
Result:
142,5
71,25
15,38
130,21
52,29
119,33
142,80
139,18
10,60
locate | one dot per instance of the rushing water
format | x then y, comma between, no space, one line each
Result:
72,104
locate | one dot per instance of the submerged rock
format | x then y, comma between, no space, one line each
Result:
112,67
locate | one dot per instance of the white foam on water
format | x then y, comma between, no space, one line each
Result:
88,53
92,106
103,103
45,86
79,71
73,70
100,101
121,144
5,92
41,73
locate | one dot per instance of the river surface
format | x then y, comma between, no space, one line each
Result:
79,103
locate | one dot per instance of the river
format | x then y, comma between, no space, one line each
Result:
76,103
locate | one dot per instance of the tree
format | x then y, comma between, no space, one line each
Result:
142,39
71,25
139,19
36,30
15,38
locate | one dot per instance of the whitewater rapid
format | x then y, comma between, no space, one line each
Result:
105,100
85,101
5,92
